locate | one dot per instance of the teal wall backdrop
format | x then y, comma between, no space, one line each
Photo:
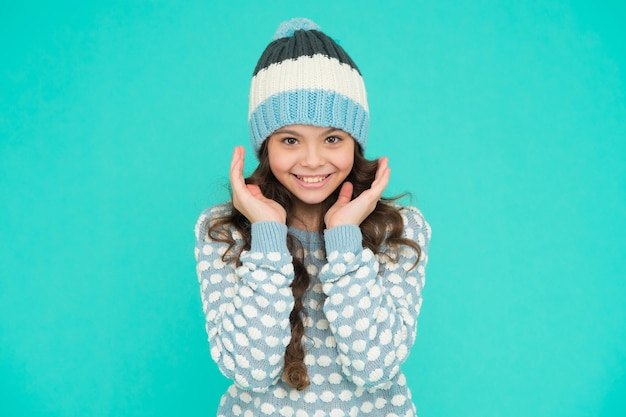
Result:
506,119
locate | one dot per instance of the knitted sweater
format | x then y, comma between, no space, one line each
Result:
360,319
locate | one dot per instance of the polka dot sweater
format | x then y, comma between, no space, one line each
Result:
360,319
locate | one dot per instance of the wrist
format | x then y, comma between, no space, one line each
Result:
268,236
269,219
343,238
339,224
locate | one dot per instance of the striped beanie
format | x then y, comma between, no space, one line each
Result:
304,77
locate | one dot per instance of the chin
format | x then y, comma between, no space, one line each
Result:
311,200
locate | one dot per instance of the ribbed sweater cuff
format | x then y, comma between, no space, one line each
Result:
344,238
268,237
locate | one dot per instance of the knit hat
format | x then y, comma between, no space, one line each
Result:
304,77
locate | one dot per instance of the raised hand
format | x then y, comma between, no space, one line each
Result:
248,198
348,211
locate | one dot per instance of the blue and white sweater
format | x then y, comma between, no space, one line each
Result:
360,319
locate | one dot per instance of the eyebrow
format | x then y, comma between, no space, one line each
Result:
293,132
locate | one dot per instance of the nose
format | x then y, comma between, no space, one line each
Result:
312,157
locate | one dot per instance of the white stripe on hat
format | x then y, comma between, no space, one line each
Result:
318,72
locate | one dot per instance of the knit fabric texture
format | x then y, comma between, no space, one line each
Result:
360,320
305,77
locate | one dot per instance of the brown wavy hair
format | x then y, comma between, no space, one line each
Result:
383,226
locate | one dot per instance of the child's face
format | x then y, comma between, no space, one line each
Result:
310,161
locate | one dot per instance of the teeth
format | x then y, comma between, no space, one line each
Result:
311,180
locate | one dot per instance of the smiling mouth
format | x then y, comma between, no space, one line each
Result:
312,179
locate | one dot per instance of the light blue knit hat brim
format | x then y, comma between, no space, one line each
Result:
321,108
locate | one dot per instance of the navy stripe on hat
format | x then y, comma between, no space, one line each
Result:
302,43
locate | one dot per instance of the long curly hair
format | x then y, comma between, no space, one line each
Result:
383,226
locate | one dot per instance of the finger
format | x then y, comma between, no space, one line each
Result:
236,165
382,171
379,185
255,190
236,169
235,157
234,162
237,161
383,163
377,188
345,193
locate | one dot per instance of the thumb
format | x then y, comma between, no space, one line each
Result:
345,193
254,189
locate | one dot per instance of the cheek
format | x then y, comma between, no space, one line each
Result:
348,163
277,166
348,158
275,158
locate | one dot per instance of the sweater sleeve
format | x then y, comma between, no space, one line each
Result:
247,307
372,304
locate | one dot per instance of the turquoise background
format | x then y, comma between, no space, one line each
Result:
506,119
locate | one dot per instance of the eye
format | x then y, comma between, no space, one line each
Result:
333,139
290,141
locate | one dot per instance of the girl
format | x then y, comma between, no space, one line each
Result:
310,280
